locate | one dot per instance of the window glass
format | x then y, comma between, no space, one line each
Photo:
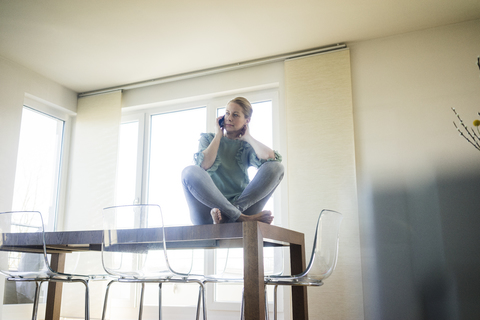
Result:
38,165
173,141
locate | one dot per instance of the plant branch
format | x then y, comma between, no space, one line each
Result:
473,136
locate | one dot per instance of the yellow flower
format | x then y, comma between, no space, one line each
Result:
476,123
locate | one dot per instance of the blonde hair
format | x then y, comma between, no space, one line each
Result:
245,104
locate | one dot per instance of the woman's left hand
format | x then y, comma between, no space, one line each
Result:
262,151
245,133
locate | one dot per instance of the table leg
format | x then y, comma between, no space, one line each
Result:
299,293
54,296
254,288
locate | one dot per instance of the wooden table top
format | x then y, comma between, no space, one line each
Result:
201,236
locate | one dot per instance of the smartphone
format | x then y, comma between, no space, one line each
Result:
221,122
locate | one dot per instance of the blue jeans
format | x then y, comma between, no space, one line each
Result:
202,195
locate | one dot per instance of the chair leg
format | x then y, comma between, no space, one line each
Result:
87,300
275,302
204,302
36,298
160,301
242,308
104,312
199,301
266,304
140,309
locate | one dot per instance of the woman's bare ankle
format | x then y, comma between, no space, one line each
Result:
264,216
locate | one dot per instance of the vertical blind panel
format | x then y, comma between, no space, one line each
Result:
321,172
94,156
91,188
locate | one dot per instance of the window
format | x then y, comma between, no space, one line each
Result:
37,181
38,165
170,134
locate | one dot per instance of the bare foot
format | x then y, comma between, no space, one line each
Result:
265,216
216,216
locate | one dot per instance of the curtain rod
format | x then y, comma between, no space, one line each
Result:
215,70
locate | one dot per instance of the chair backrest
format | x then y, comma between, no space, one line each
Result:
126,252
13,227
325,245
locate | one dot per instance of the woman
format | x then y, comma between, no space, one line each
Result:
217,188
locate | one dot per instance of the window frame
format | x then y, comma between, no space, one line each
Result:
141,145
67,116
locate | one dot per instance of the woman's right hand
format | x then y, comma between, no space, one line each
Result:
210,153
219,128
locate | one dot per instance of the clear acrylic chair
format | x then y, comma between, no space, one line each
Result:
129,258
323,259
28,267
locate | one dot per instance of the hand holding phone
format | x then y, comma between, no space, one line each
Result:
221,122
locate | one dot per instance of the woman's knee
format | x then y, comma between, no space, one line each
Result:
274,168
191,172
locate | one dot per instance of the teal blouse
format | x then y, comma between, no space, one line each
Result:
229,171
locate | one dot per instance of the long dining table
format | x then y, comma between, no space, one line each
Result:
252,236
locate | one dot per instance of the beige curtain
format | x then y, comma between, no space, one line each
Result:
321,172
93,160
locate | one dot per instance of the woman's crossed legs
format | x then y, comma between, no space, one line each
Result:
208,205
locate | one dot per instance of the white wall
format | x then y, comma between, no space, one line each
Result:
15,82
418,180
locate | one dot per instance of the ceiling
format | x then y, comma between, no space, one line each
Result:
95,44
